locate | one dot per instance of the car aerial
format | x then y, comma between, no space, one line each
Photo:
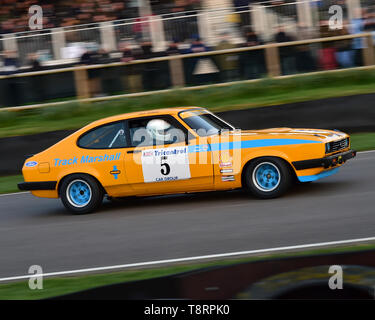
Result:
179,150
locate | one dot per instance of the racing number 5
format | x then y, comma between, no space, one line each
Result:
165,168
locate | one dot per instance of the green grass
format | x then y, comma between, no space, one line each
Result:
59,286
360,142
363,141
9,184
247,95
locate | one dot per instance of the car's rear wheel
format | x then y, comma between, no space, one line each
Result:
81,194
267,177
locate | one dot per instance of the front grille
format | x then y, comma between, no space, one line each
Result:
339,145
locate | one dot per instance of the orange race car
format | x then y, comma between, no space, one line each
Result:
179,150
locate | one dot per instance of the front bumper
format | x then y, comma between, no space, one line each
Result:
43,185
327,162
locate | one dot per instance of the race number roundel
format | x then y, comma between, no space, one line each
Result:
165,164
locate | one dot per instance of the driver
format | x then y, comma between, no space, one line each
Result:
158,129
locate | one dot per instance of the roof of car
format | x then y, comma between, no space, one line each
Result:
137,114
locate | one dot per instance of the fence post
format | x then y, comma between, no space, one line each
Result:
176,70
10,42
304,14
81,83
58,42
369,52
354,9
273,61
261,21
107,36
157,33
205,28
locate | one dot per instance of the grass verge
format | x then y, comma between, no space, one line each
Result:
9,184
53,287
247,95
363,141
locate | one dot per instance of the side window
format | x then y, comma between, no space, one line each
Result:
109,136
155,131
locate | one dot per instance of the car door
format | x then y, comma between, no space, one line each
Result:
101,152
164,162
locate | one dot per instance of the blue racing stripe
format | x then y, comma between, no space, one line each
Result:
318,176
248,144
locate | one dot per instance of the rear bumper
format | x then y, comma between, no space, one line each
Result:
327,162
43,185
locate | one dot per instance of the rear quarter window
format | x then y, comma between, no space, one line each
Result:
109,136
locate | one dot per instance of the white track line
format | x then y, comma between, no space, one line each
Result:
211,256
369,151
14,193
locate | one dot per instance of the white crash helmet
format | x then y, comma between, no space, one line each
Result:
158,129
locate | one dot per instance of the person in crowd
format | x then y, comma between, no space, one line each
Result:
305,62
141,27
152,72
344,52
37,82
201,69
252,62
126,52
287,54
11,63
131,75
12,85
90,57
197,45
173,48
176,67
33,62
241,7
228,63
86,58
147,50
107,76
357,25
327,54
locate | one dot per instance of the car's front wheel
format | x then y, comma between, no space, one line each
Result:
267,177
81,194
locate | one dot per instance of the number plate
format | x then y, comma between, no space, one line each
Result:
165,164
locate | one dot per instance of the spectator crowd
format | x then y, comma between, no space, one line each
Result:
206,69
65,13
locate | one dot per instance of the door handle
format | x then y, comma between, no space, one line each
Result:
134,151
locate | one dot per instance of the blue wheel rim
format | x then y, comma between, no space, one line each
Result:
79,193
266,176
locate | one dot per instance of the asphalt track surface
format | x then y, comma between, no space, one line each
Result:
40,231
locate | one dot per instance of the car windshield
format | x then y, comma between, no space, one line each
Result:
205,123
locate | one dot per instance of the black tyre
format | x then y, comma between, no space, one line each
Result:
81,193
267,177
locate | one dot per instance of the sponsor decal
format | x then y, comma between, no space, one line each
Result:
148,153
165,164
225,160
225,164
226,171
87,159
31,164
227,178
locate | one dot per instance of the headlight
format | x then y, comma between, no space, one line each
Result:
328,147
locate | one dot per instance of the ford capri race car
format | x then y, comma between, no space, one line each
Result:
179,150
